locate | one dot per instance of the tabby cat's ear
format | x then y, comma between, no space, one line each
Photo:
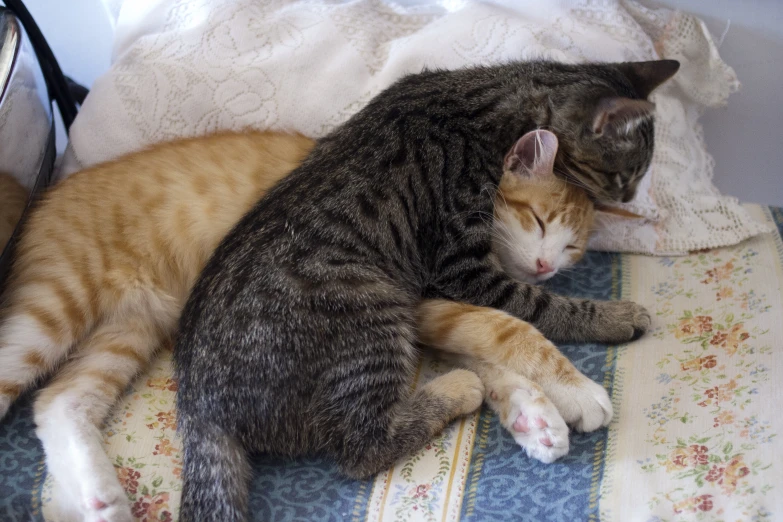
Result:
615,116
533,154
646,76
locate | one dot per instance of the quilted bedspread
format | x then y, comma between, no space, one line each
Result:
695,433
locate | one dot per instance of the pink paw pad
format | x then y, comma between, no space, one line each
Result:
541,423
546,441
96,503
493,395
521,424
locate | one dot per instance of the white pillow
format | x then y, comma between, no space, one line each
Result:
188,67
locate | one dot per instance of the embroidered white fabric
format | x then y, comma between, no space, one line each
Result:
188,67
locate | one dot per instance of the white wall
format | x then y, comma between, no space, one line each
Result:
745,138
80,33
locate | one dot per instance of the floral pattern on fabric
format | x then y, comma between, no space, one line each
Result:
429,485
151,479
695,429
713,379
140,439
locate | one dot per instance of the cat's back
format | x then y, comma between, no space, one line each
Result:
198,171
167,206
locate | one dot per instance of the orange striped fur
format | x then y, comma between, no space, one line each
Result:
535,390
541,223
561,207
494,337
123,242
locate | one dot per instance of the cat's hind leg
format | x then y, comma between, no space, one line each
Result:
416,420
43,319
71,409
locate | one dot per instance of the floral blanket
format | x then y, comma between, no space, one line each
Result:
694,435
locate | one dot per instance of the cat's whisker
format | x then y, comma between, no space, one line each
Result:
494,187
572,177
572,180
503,239
565,272
499,195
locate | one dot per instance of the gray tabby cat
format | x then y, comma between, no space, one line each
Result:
299,336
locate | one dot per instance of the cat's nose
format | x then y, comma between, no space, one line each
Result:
542,267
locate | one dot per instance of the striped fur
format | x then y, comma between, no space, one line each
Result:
102,271
542,223
525,376
298,336
108,256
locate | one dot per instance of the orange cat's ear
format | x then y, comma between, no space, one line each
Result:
615,116
533,154
604,209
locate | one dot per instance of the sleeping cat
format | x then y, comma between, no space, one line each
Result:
541,225
299,335
108,256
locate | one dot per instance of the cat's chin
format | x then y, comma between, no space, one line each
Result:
527,277
545,277
533,279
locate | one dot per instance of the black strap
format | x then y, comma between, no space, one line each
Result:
56,82
78,91
64,92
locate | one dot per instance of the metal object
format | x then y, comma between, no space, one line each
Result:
25,111
9,45
26,124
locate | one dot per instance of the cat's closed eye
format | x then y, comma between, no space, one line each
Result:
540,224
572,247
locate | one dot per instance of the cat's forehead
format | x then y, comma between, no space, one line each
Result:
562,207
552,193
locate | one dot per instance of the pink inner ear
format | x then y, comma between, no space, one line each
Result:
533,154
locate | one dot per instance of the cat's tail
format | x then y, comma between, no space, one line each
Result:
215,474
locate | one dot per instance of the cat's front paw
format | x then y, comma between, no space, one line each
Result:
622,321
107,502
536,425
583,403
117,509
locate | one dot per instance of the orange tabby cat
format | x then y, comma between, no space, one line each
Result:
109,255
541,225
13,198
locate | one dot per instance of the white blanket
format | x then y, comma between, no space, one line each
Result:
188,67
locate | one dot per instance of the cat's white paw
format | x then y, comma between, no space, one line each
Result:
583,404
86,486
536,425
102,497
73,504
107,506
